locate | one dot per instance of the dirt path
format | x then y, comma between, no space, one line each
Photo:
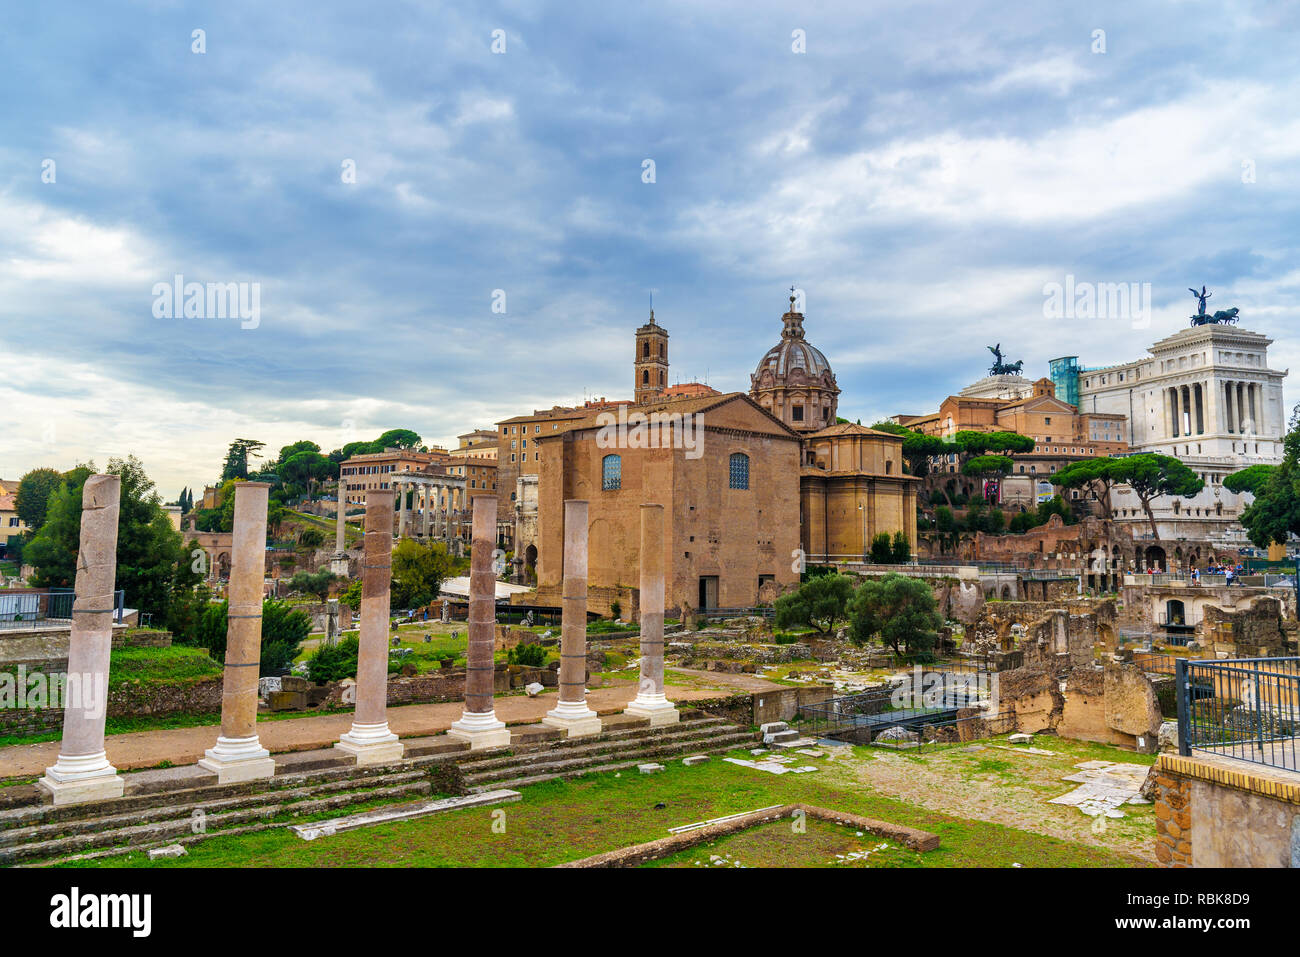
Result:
146,749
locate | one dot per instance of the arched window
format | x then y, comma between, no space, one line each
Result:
645,350
645,377
739,470
611,468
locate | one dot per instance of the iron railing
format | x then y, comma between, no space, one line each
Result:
1246,708
921,728
1154,662
25,609
709,614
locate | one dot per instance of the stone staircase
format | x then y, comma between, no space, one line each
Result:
185,805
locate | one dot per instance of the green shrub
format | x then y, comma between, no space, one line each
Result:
882,549
334,662
531,655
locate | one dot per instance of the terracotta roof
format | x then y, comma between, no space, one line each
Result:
7,503
565,412
687,404
852,428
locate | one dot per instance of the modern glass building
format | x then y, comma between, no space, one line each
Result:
1064,373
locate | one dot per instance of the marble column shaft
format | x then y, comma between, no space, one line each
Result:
82,764
652,599
573,620
480,657
340,523
244,625
370,739
376,579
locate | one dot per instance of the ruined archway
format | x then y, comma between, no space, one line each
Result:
1155,557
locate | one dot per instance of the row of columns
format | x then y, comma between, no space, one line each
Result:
431,498
1219,406
82,771
1243,404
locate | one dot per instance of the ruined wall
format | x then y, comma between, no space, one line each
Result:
1053,637
1217,812
1255,630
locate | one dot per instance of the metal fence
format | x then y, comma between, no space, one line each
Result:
1154,662
891,718
710,614
1246,708
25,609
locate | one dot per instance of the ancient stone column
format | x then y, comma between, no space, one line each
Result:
650,701
239,755
478,723
340,524
370,741
424,510
82,772
401,510
571,712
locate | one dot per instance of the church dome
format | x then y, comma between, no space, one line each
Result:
794,381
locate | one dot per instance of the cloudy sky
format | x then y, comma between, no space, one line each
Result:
921,171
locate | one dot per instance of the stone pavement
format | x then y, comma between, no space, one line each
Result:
146,749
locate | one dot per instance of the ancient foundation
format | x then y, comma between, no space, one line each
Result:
82,772
239,755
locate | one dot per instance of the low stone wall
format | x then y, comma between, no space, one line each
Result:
784,705
1219,812
131,699
909,837
142,638
736,708
40,646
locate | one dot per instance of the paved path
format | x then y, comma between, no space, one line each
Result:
146,749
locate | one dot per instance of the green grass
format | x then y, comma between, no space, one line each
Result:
564,820
815,843
175,665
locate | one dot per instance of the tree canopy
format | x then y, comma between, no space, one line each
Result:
1250,479
1275,513
1151,476
237,456
419,569
818,603
900,609
33,495
150,559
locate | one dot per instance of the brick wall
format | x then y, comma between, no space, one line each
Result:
1173,820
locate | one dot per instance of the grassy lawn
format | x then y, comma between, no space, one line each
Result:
779,844
564,820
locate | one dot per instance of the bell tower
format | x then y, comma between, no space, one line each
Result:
651,361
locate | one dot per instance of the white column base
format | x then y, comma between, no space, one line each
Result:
655,707
480,730
574,718
77,780
371,744
238,759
